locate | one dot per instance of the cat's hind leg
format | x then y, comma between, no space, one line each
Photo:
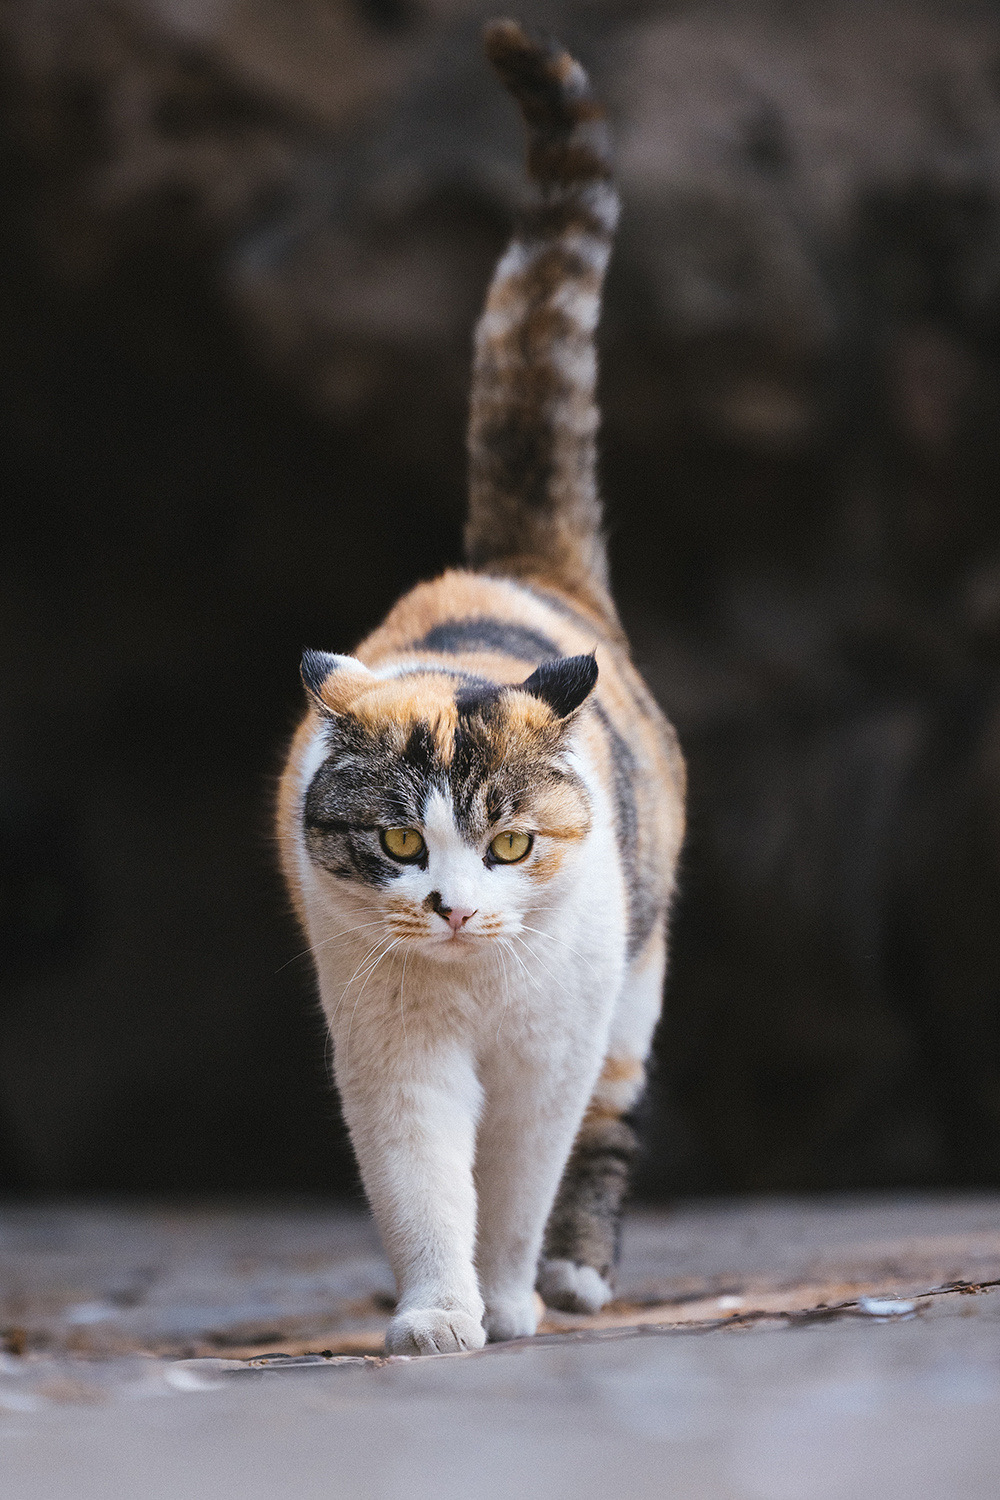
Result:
581,1237
580,1250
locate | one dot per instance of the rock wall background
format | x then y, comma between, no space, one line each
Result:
243,249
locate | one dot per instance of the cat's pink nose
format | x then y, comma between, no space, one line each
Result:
457,916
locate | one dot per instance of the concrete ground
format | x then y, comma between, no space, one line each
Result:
786,1350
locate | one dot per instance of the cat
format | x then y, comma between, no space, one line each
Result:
481,815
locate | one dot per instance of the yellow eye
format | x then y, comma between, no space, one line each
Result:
508,848
404,844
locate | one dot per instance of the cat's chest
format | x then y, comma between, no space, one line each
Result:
542,981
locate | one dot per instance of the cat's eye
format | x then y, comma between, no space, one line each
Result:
508,848
404,844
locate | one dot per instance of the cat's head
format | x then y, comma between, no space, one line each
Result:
447,803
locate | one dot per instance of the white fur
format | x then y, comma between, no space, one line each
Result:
348,664
564,1284
465,1061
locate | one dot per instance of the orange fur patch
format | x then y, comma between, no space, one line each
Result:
620,1069
596,1115
561,812
399,704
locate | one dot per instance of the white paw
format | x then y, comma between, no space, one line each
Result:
572,1288
511,1318
432,1330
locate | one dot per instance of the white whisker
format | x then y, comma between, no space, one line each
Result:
538,960
371,971
402,981
506,988
354,976
575,951
531,978
315,947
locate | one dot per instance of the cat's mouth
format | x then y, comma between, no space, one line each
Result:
443,927
447,944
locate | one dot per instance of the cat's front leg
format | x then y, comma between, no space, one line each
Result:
526,1134
412,1117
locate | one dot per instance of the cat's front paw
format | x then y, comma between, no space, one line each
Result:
433,1330
510,1318
573,1288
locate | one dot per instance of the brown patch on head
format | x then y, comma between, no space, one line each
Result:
340,690
529,720
545,865
561,811
508,772
393,707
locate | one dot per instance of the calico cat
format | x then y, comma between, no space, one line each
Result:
482,811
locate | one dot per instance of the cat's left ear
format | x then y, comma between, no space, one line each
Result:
563,684
330,680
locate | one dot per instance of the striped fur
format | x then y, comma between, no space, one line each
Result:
532,435
485,1015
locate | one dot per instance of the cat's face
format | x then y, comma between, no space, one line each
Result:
449,807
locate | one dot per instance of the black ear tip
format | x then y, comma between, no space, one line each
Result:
316,668
564,683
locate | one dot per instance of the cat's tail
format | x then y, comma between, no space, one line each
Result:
534,507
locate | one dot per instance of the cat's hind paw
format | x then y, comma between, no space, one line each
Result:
433,1330
573,1288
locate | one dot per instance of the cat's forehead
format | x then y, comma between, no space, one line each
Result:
438,719
410,747
405,710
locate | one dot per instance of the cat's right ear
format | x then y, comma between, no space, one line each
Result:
330,680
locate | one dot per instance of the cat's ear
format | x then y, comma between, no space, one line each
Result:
332,681
563,684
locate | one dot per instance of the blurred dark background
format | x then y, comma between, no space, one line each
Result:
243,247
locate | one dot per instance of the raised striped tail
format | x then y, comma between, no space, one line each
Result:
534,507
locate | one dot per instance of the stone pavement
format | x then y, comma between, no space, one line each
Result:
836,1349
